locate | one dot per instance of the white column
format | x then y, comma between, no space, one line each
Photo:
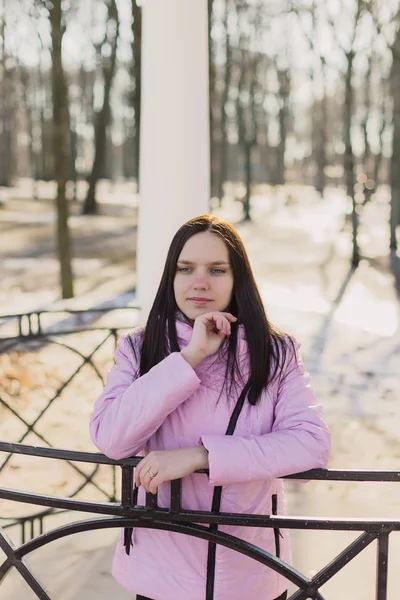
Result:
174,149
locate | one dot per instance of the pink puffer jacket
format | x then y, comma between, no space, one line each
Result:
174,406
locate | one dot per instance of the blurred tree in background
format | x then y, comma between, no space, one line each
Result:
301,91
106,55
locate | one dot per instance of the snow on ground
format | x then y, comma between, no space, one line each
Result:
347,322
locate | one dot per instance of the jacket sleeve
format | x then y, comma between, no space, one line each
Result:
132,408
299,440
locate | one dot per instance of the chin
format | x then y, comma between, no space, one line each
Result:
193,312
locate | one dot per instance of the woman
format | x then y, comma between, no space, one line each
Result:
170,397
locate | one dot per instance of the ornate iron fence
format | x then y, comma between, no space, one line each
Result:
57,328
124,513
194,523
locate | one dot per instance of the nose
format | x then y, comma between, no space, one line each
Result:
200,282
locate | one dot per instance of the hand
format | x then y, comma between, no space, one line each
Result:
167,465
209,331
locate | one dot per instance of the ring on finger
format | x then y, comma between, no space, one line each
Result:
151,474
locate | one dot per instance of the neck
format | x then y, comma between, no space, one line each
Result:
182,317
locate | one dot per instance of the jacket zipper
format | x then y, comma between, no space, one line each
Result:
277,533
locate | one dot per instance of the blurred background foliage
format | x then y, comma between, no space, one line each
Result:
301,91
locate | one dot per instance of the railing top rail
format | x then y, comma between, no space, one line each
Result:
98,458
200,516
68,310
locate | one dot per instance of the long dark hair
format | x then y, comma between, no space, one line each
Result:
266,345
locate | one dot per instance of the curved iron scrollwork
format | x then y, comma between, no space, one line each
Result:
44,329
189,522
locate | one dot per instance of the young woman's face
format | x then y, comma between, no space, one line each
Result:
204,279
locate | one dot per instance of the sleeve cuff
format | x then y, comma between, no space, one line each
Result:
223,468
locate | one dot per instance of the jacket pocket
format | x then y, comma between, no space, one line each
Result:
277,533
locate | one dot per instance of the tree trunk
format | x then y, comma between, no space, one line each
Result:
321,160
321,135
45,158
103,117
348,154
319,110
73,143
6,111
60,147
242,133
223,149
25,85
137,78
395,160
284,90
378,158
367,147
248,178
46,169
214,176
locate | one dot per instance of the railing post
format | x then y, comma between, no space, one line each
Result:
176,489
20,332
126,487
382,566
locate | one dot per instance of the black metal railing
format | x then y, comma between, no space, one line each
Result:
194,523
40,324
51,327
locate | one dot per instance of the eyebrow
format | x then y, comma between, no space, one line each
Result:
216,262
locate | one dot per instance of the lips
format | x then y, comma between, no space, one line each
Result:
199,301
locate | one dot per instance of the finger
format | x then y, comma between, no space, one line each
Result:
141,478
219,317
154,483
229,317
218,321
213,324
137,475
228,325
146,483
143,473
138,470
211,316
146,480
224,326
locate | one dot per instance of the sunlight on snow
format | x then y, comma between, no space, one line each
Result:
362,309
359,308
302,297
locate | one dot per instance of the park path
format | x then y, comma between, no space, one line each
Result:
348,324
